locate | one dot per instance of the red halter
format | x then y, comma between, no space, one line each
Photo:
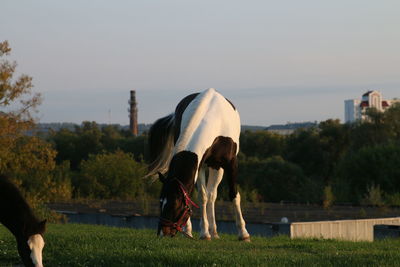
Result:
181,222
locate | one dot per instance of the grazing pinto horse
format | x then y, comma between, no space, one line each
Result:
17,216
202,133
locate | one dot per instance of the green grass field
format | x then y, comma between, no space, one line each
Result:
88,245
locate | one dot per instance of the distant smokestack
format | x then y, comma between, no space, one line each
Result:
133,114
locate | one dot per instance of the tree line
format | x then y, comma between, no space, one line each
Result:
349,163
355,163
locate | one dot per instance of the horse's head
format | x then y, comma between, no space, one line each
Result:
175,207
31,246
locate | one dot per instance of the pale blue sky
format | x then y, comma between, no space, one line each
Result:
279,61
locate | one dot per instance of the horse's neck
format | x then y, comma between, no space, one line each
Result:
16,227
15,213
18,217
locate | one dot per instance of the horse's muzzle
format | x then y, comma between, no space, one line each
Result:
166,231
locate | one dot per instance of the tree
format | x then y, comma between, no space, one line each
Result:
261,144
372,131
110,138
111,175
65,142
27,159
16,106
277,180
334,141
370,166
392,121
19,152
135,145
77,145
304,148
89,135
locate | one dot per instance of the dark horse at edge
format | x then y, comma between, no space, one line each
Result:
17,216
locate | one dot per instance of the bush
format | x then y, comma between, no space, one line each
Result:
373,197
111,175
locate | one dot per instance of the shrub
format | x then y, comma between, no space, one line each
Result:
111,175
374,196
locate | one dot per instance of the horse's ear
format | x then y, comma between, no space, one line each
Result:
161,177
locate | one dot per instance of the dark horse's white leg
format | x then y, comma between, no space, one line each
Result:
214,179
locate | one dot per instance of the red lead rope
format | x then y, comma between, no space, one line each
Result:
187,198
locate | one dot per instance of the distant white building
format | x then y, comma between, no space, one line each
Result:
354,109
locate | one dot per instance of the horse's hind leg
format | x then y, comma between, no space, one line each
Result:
214,179
231,174
240,223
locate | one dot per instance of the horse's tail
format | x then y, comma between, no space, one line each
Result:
161,144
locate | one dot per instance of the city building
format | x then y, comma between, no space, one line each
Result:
354,109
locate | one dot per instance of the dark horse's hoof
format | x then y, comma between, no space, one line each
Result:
245,239
205,238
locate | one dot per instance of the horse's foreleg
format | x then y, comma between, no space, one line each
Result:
188,227
214,179
201,186
231,173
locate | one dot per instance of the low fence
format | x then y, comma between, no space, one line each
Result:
352,230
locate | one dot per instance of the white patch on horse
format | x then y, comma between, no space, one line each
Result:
200,127
36,244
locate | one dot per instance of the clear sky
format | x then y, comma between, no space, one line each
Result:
278,61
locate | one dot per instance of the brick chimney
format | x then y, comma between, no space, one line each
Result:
133,114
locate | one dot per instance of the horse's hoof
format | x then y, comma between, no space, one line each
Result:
207,238
216,237
245,239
